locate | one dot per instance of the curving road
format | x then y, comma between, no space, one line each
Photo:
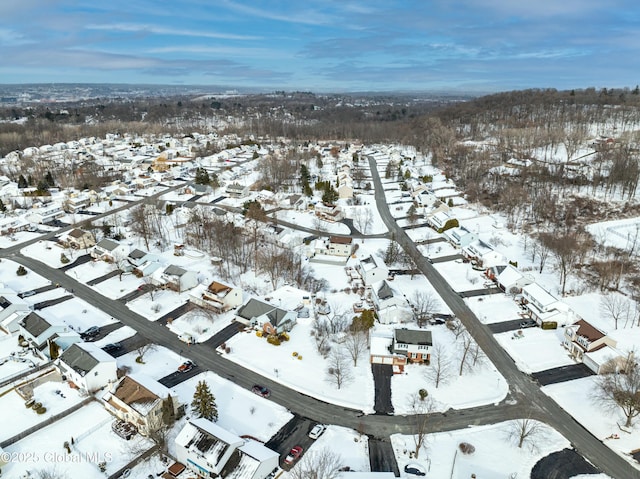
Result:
529,400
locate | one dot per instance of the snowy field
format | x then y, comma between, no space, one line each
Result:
495,455
17,283
163,302
460,276
200,324
308,219
15,359
421,234
118,286
623,234
494,308
575,397
78,314
536,349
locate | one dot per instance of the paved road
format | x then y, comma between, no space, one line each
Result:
534,403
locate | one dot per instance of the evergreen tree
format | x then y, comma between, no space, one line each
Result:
202,177
3,208
204,402
49,179
22,182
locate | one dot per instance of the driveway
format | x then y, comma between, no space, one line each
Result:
480,292
563,464
224,335
382,457
504,326
382,374
562,374
294,433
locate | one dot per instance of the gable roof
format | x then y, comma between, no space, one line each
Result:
385,291
588,331
82,358
209,439
254,308
35,324
140,393
137,254
174,270
107,244
413,336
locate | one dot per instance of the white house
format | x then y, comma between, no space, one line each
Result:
391,305
460,236
211,451
236,190
510,278
109,250
217,296
483,254
372,270
175,278
88,367
589,345
543,307
14,310
46,214
38,331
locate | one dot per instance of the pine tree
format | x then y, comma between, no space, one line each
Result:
204,402
3,208
22,182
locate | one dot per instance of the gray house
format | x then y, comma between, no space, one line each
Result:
88,367
268,317
415,344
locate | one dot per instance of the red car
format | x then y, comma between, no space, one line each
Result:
260,391
294,454
186,366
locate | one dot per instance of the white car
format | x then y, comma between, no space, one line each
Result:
317,431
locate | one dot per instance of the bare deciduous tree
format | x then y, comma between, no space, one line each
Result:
322,464
526,431
419,410
356,343
467,345
440,369
143,349
424,304
618,387
339,370
618,308
363,219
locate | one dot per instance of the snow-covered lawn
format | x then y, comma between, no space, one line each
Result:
624,234
308,219
356,212
49,253
460,276
114,288
6,241
19,418
438,250
91,270
45,296
200,324
494,308
575,397
495,455
239,410
17,283
162,303
115,336
419,284
536,349
94,442
307,375
158,361
478,386
421,234
78,314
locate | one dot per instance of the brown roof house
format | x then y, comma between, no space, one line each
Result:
77,239
589,345
143,402
217,296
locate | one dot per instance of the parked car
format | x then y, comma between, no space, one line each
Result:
90,333
187,338
260,391
414,469
186,366
317,431
293,455
112,347
529,323
26,294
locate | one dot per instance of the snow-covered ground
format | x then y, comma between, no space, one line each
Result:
535,349
494,308
460,276
308,219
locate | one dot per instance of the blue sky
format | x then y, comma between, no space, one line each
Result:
324,45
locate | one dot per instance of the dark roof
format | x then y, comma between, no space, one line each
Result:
137,254
340,239
254,308
35,324
385,291
78,359
413,336
107,244
174,270
76,233
276,316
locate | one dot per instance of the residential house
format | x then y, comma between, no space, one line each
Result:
329,212
46,214
381,351
144,264
217,296
510,279
543,307
12,224
87,367
340,246
175,278
37,330
345,190
271,319
110,250
415,344
143,402
14,310
197,189
390,304
582,339
77,239
372,269
438,220
236,190
211,451
460,236
76,203
482,254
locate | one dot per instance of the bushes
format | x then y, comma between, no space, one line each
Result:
273,339
549,325
451,223
63,258
21,271
41,410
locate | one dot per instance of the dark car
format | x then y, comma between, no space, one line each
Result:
90,333
260,391
414,469
112,347
186,366
529,323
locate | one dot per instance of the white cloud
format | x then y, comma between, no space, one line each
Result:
158,30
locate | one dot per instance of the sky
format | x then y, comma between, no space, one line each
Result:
324,45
